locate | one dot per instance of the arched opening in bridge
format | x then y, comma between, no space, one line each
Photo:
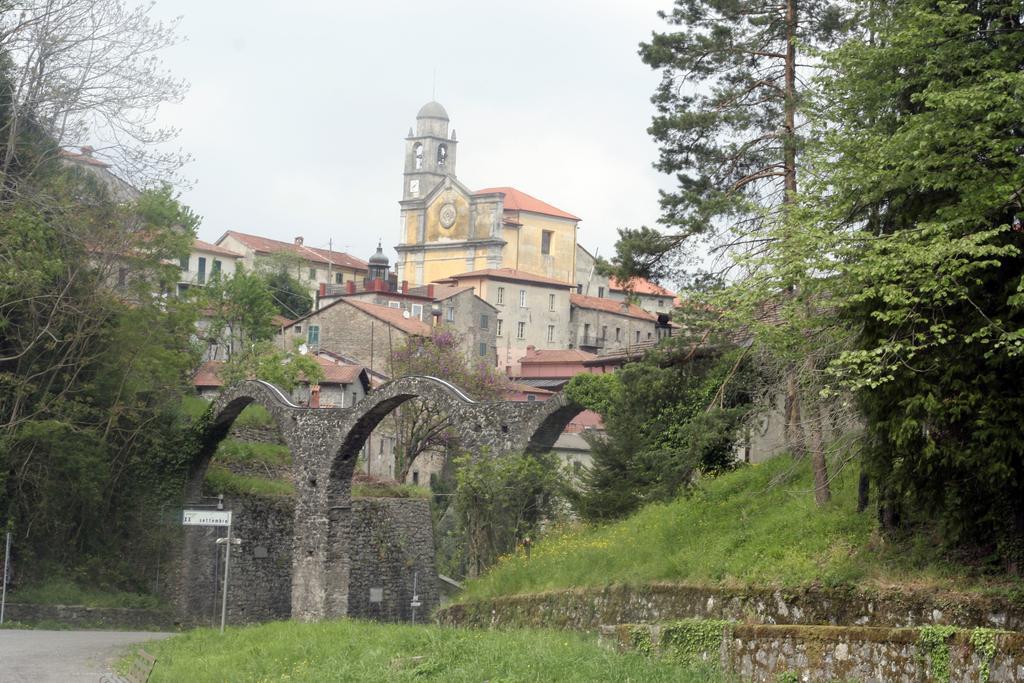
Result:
243,465
378,544
562,430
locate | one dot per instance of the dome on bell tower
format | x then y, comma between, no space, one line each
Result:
432,110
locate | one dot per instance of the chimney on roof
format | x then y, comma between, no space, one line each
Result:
298,241
314,396
530,349
87,150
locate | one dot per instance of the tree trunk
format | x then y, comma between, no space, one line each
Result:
789,143
863,491
794,432
822,494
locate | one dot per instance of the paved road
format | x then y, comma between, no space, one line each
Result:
63,656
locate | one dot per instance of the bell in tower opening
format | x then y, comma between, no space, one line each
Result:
429,152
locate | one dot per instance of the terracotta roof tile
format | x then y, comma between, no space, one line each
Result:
208,374
338,373
512,275
638,285
200,245
271,246
611,306
392,316
557,356
527,389
86,159
517,200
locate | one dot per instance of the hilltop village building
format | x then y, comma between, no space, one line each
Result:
310,266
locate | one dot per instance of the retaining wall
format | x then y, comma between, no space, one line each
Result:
80,616
764,653
589,608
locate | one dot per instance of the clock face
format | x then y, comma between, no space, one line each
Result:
414,187
447,215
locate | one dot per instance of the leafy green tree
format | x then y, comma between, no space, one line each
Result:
909,234
727,115
729,124
93,370
240,324
240,311
666,418
291,298
502,501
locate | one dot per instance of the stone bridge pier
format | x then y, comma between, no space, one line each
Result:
324,444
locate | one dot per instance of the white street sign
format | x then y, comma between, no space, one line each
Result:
206,518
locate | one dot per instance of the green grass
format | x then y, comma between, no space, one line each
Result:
194,406
757,526
350,650
255,415
221,480
388,490
63,591
233,450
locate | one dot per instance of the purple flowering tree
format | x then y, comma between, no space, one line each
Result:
420,428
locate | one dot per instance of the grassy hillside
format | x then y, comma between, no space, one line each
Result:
362,651
757,526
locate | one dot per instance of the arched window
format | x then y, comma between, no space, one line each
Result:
442,154
417,152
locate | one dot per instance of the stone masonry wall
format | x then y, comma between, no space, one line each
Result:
763,653
259,577
588,608
83,617
389,542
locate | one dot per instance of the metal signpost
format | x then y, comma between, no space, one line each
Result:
216,518
7,564
415,597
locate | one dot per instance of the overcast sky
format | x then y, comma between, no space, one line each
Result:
297,111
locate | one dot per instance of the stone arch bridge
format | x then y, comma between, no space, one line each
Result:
324,443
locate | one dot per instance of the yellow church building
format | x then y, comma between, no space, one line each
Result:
448,229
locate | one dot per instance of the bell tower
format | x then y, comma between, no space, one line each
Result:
429,154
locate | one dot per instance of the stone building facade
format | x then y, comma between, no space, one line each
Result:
367,332
531,311
311,266
601,324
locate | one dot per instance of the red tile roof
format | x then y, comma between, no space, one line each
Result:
393,316
208,374
336,373
610,306
269,246
638,285
557,356
517,200
87,159
200,245
514,387
513,275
